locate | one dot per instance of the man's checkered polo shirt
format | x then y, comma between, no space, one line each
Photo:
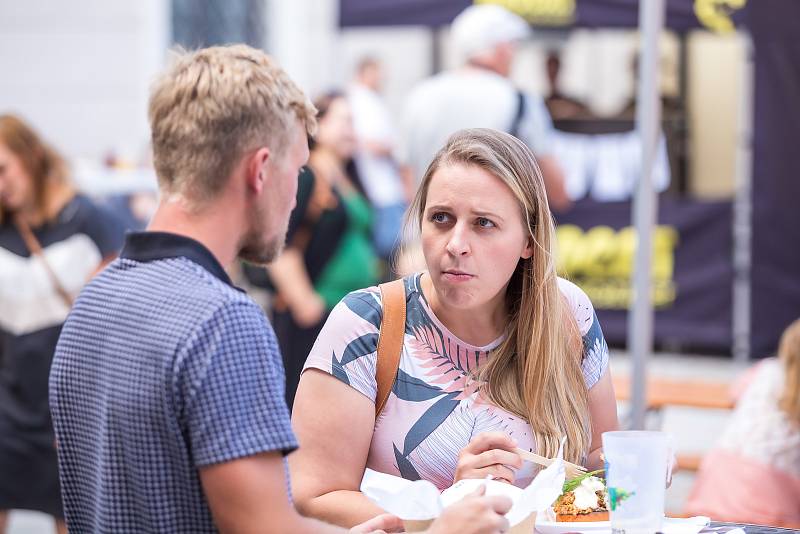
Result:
162,367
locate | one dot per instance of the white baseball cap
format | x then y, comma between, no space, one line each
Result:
480,27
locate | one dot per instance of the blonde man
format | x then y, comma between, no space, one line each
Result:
167,390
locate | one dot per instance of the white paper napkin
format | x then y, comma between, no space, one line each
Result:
420,500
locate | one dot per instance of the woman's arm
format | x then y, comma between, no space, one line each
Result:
333,423
603,413
288,273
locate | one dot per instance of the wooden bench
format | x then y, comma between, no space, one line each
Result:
662,392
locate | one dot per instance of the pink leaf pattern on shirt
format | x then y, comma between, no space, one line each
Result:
434,350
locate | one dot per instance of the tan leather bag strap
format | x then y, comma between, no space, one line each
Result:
390,339
35,248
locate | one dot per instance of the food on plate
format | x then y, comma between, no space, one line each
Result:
583,499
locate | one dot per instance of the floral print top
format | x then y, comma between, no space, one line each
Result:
435,408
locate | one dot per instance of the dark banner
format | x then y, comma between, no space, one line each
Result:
692,268
681,15
776,172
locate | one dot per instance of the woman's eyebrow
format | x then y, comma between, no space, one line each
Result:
479,213
488,214
440,207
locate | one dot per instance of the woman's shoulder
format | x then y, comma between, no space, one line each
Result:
82,209
84,215
367,303
364,303
579,303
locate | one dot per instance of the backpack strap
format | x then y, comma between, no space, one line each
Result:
390,339
518,114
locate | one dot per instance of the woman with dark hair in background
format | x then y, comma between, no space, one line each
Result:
329,250
52,240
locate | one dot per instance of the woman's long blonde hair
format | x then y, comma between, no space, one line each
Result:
536,372
42,163
789,355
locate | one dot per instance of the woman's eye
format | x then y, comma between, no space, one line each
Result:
483,222
440,217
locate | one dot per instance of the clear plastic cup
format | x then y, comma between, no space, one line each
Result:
636,471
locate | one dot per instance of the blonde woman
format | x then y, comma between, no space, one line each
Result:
498,351
759,448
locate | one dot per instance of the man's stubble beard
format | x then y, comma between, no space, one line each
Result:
254,248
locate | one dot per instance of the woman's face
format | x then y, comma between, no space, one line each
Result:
336,129
473,236
15,182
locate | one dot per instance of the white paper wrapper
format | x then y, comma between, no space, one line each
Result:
420,500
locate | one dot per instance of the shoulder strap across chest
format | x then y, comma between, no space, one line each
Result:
390,339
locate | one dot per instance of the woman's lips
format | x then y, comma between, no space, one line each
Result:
456,276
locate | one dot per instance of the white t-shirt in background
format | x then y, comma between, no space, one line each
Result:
467,98
379,175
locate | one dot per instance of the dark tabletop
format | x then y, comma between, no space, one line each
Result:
718,526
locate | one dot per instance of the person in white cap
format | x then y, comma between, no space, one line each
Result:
480,94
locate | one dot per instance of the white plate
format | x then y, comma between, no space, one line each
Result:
562,527
672,525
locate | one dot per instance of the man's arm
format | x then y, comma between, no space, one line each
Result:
249,495
536,130
554,183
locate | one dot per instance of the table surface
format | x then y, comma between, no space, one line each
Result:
718,526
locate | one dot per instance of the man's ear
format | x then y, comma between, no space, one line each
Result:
258,169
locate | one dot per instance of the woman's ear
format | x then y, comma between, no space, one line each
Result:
527,252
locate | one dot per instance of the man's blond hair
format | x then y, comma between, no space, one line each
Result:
214,105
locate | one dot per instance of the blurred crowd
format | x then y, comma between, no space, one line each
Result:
349,231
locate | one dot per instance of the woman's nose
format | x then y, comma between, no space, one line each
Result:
458,244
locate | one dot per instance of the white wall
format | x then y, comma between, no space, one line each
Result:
302,36
715,64
80,70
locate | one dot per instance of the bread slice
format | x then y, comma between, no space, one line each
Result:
598,515
566,510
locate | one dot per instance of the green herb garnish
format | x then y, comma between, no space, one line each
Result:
571,484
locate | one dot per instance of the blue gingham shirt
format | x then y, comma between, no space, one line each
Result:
163,367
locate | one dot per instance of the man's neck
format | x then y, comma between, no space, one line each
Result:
218,229
482,65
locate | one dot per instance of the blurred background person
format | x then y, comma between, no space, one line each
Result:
375,159
559,105
480,94
329,250
753,473
52,240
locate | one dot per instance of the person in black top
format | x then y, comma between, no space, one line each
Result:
329,249
52,240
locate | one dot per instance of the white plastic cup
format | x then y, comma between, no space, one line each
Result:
636,469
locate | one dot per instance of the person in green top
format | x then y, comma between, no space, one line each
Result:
329,249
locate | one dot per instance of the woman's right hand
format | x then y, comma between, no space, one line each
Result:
474,514
489,454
